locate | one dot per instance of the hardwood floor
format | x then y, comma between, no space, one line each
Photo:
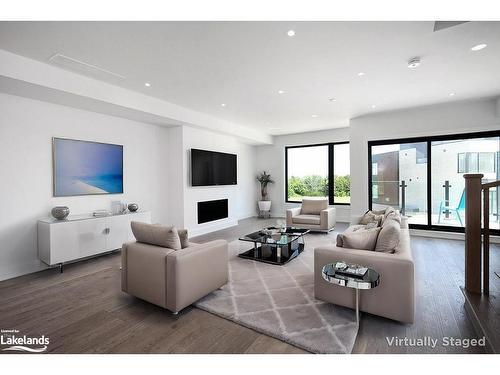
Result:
84,311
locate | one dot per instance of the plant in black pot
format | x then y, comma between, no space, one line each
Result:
264,179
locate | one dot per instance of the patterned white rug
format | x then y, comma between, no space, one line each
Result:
279,301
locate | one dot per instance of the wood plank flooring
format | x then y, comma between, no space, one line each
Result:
84,311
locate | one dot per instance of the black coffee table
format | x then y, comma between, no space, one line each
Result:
274,245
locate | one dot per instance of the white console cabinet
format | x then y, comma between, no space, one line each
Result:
77,237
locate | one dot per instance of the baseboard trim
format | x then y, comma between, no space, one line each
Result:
446,235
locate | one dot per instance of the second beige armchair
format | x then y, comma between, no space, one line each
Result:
170,278
314,214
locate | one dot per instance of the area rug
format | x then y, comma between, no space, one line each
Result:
279,301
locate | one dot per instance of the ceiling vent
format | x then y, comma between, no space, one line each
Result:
441,25
84,68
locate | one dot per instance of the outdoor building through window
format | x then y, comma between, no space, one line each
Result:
424,177
315,171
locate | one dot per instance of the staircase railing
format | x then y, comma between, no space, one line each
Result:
475,267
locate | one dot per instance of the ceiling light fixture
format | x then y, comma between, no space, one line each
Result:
414,62
374,106
452,94
223,105
479,47
147,84
290,33
281,91
314,116
361,74
333,99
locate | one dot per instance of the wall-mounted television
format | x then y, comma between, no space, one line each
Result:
212,168
86,168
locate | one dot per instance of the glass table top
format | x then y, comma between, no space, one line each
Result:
273,235
369,280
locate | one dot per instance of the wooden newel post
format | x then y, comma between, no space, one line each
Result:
473,191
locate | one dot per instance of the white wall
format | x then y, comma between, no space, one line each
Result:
242,197
26,130
272,160
451,118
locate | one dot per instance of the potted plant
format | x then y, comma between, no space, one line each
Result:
264,179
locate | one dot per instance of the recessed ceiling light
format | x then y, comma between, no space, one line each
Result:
374,106
333,99
281,91
147,84
290,33
452,94
361,74
414,62
314,116
223,105
479,47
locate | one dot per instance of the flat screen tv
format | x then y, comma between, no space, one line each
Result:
212,168
86,168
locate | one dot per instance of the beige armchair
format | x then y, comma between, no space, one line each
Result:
174,279
314,215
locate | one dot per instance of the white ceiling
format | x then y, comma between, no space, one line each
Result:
200,65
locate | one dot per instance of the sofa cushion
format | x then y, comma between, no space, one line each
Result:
313,206
394,215
371,217
389,236
306,219
158,235
361,239
183,236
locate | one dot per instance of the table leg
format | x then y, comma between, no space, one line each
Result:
357,307
255,250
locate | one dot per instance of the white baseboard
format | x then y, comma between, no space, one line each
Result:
446,235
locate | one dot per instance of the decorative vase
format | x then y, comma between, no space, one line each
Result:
132,207
60,212
264,205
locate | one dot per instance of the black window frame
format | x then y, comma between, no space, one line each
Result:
331,161
428,140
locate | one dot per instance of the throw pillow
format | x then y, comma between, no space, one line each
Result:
158,235
394,215
183,236
350,229
370,217
362,239
388,238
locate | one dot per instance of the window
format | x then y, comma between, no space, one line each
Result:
318,171
423,177
476,162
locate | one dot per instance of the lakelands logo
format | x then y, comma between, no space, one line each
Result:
22,343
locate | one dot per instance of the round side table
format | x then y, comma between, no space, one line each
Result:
369,280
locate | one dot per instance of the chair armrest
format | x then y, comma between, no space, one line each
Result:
194,272
290,213
327,218
143,271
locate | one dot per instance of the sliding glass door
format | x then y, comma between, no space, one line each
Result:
450,161
399,179
423,177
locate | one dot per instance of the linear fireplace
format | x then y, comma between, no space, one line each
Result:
212,210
